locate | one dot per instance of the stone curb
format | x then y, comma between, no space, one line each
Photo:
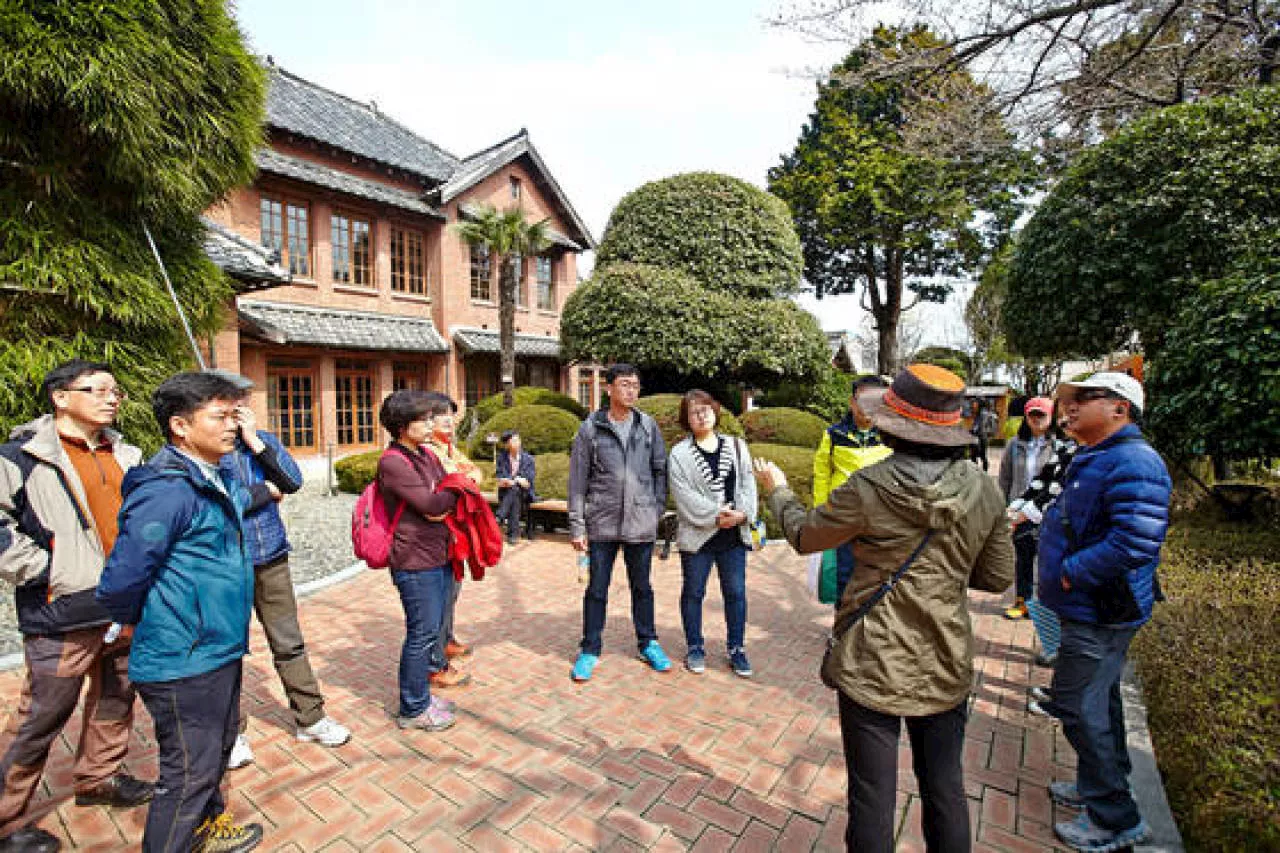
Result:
302,590
1148,786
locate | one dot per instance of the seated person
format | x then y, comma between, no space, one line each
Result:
515,472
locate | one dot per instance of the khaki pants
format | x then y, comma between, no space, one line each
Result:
57,667
277,609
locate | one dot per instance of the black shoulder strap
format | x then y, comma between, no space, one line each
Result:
847,621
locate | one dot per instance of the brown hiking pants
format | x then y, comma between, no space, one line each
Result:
57,667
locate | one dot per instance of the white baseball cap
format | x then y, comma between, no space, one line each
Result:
1121,384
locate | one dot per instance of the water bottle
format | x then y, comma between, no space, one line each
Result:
584,567
758,539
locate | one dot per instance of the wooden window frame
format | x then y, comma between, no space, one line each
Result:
546,287
293,243
356,425
481,290
408,261
287,434
343,232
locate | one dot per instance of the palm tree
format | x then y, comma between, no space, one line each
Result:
506,235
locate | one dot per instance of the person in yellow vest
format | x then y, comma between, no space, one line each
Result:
849,444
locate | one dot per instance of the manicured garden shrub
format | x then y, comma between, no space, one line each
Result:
482,411
797,464
1210,666
357,471
665,409
543,429
784,426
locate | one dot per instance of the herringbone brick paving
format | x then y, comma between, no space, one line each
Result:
632,760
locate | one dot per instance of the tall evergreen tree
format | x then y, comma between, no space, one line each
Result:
113,115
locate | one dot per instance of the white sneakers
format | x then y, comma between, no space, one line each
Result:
241,754
326,732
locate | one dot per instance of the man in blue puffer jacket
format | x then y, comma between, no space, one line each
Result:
181,573
1099,548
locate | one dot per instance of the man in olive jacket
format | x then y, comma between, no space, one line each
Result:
910,655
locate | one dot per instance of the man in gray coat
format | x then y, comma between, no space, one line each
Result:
617,492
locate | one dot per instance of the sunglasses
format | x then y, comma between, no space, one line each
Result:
1090,394
1037,414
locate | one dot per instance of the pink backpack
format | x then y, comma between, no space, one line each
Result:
371,530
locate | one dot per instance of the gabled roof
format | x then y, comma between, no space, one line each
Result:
330,327
475,168
471,340
252,266
301,107
275,163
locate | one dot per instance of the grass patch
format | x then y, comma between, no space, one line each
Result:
1210,667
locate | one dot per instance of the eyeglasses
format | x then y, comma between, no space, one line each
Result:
1037,414
1090,394
103,393
627,384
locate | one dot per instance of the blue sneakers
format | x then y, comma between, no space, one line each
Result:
738,660
1086,836
655,656
696,661
1066,794
584,666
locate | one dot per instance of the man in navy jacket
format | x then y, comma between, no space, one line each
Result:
260,458
1099,548
515,472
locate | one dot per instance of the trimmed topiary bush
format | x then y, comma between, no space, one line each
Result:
544,429
797,464
357,471
525,395
791,427
665,409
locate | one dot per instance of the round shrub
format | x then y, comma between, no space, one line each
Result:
543,429
729,235
357,471
797,464
525,395
665,409
791,427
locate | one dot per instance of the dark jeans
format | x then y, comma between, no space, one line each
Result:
1026,542
595,601
844,569
978,452
196,719
732,565
512,503
424,595
277,609
871,758
1086,697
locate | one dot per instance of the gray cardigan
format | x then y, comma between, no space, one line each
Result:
696,505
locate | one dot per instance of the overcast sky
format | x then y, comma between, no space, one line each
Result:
614,94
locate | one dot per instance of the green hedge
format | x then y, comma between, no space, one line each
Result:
543,429
356,472
797,464
1210,678
525,395
784,426
665,409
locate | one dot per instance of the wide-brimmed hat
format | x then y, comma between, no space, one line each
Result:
923,404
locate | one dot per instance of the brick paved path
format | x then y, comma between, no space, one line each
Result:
631,760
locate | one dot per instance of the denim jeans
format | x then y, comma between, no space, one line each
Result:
196,719
844,569
871,759
733,588
1026,541
1086,698
595,601
424,595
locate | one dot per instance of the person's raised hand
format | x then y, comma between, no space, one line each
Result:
768,475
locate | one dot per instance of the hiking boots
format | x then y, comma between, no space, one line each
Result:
221,835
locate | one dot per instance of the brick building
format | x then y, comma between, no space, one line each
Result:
352,282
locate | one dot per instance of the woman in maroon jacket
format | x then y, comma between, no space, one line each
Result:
419,561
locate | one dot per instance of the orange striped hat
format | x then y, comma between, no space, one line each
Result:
924,404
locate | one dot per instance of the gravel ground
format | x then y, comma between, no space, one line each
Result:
319,528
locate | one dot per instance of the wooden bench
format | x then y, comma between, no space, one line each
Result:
553,513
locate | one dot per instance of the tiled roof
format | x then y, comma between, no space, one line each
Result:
329,327
275,163
302,107
485,340
478,166
250,264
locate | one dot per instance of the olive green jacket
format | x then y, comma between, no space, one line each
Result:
912,654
